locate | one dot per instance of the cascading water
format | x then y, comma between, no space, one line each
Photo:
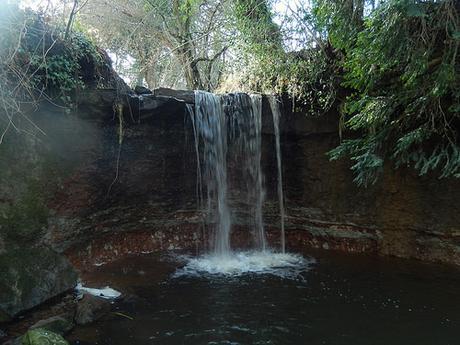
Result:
210,125
199,185
256,170
224,124
274,106
244,115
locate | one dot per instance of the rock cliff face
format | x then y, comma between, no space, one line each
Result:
102,183
403,215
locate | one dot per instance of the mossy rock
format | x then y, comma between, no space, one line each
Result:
23,214
29,277
57,324
26,219
42,336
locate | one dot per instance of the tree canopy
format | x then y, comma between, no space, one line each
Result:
182,43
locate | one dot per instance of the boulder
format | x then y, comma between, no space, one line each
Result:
57,324
91,308
41,336
29,277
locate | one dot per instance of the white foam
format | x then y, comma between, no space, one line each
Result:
284,265
106,292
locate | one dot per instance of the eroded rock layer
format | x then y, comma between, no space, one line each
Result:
102,183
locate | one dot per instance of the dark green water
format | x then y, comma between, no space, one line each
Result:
352,300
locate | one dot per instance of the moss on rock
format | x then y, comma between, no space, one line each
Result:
42,336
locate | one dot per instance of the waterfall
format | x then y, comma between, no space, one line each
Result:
210,126
219,122
256,170
274,106
228,136
199,183
244,114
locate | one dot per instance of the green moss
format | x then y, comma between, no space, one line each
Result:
23,211
41,336
26,219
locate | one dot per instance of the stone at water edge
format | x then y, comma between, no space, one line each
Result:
41,336
142,90
4,317
91,308
29,277
57,324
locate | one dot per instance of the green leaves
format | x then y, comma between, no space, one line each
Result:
39,63
414,9
367,162
402,67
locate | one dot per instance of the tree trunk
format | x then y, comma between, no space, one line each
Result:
192,73
150,77
358,13
71,19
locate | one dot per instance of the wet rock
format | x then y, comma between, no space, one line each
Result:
57,324
4,317
131,299
29,277
91,308
41,336
186,96
141,90
94,220
2,246
14,341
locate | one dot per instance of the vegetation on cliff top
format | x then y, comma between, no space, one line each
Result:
41,61
393,70
390,67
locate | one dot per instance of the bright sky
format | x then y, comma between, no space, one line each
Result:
280,6
39,4
292,9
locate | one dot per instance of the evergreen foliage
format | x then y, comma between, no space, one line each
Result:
403,68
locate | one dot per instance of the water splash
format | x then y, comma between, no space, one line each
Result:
283,265
274,106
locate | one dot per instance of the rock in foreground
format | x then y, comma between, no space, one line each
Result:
41,336
90,309
29,277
